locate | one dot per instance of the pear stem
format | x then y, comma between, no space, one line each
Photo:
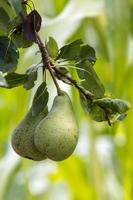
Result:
46,61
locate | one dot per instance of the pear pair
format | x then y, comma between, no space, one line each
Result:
54,136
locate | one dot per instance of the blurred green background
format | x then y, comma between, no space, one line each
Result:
101,167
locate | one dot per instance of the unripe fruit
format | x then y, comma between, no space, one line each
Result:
57,134
23,137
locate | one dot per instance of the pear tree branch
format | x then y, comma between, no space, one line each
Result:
86,93
46,61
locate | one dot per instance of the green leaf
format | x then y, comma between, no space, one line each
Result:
113,106
70,51
90,80
20,41
107,108
8,55
18,36
97,113
16,5
32,77
88,53
15,22
14,79
40,99
52,47
4,18
85,103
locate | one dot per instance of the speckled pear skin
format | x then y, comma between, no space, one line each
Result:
57,134
22,138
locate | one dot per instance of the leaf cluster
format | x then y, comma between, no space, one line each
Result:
18,29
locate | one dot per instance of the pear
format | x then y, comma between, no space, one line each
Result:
57,134
22,138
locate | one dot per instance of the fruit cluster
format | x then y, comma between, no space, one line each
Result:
53,135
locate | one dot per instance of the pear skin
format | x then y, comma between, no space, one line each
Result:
22,138
57,134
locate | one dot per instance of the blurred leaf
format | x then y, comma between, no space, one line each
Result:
40,99
16,5
84,102
118,23
4,18
52,47
8,9
70,18
59,5
8,55
17,36
97,113
88,53
15,23
32,77
113,105
20,41
70,51
109,109
10,187
100,35
90,80
14,79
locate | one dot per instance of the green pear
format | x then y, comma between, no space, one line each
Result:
23,136
57,134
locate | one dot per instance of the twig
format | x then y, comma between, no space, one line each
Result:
46,61
52,69
86,93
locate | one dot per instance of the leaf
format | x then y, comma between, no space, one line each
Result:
40,99
8,55
52,47
16,5
14,79
18,35
88,53
113,106
4,18
85,103
107,108
32,77
20,41
15,22
90,79
70,51
97,113
31,24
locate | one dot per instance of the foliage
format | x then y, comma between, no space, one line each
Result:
111,66
81,56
